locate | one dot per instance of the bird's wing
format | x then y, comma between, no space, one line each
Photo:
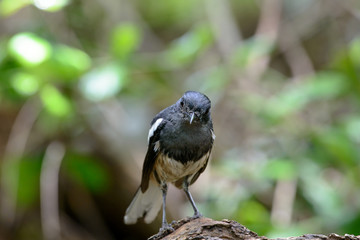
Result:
152,152
201,170
207,156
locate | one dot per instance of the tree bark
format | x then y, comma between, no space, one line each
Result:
209,229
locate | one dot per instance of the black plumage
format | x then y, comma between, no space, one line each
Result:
179,146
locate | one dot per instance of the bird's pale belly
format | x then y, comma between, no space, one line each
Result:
170,170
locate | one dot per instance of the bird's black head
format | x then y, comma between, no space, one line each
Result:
195,107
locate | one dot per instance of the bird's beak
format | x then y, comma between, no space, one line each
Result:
192,117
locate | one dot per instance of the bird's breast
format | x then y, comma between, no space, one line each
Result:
186,144
170,170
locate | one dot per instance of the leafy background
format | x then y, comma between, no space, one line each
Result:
81,80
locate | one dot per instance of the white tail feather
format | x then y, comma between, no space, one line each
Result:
148,203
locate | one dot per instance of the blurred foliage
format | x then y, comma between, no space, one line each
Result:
283,77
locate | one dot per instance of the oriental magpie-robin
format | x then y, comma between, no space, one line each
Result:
179,145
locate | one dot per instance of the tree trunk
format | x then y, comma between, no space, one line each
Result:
206,228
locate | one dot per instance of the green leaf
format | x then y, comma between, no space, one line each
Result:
319,192
69,62
29,177
339,146
350,55
348,62
280,169
50,5
25,84
354,52
55,102
125,39
254,215
352,128
9,7
322,86
188,46
29,49
21,179
326,85
103,82
170,15
87,172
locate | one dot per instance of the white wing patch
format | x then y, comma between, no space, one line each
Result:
154,127
156,146
212,134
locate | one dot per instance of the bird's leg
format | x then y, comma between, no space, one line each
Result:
164,226
197,214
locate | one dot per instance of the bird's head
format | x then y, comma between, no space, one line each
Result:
195,107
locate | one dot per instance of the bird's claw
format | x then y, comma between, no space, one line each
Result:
166,228
197,215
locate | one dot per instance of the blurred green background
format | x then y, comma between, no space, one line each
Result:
80,81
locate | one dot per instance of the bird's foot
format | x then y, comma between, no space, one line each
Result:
166,228
196,215
163,231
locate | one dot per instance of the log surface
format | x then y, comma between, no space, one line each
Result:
209,229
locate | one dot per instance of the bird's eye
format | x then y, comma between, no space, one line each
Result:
182,103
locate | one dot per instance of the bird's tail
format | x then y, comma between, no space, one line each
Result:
145,204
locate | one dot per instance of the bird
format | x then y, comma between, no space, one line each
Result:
180,142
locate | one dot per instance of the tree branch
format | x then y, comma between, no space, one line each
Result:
206,228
